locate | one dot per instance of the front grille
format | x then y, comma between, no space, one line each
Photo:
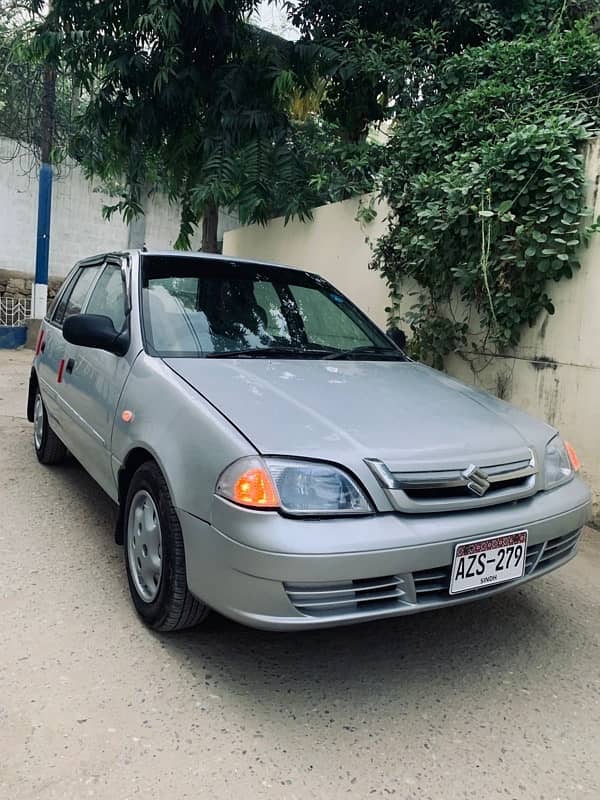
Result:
462,492
425,587
347,597
457,489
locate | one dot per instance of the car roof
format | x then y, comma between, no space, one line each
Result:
190,254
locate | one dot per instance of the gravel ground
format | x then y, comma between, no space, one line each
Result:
495,699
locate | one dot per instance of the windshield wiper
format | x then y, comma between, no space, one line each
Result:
367,350
271,352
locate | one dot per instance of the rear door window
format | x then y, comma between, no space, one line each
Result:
57,311
74,298
63,293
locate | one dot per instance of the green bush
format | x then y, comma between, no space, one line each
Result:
485,180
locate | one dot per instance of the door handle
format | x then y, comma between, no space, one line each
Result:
42,347
69,366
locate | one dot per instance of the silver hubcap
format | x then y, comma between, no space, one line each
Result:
38,422
144,546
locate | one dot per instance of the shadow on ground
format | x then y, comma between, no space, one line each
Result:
426,648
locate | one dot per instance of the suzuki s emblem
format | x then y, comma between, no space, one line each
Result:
477,480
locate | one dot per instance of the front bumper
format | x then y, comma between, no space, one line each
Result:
342,571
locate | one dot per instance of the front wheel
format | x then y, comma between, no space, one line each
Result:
155,557
48,447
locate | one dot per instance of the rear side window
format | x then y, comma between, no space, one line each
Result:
108,297
73,299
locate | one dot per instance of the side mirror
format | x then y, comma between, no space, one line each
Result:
97,331
398,337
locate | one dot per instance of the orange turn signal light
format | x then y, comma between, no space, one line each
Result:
575,462
255,488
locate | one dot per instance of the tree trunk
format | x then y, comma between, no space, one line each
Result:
210,223
75,99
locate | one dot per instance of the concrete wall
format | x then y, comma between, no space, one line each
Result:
78,229
553,374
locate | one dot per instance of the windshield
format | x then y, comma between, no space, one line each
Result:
195,307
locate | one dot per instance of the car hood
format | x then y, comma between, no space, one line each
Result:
403,413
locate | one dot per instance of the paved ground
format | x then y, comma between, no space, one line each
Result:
497,699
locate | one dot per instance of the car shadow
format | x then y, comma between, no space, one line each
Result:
425,655
70,479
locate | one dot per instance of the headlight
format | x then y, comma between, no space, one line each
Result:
312,488
558,468
296,487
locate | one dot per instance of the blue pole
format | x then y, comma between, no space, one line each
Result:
40,287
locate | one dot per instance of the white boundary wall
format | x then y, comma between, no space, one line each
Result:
78,229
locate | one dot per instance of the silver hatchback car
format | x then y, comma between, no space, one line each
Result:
276,457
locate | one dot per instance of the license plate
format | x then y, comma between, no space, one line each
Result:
487,562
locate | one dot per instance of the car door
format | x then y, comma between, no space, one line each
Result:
50,362
94,379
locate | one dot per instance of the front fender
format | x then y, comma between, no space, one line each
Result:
191,441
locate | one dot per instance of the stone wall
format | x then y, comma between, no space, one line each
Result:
17,285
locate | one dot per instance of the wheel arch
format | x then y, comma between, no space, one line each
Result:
133,461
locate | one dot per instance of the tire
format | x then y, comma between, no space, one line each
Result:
48,447
155,556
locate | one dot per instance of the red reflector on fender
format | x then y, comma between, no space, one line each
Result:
61,369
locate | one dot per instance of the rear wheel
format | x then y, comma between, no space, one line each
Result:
48,447
155,557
